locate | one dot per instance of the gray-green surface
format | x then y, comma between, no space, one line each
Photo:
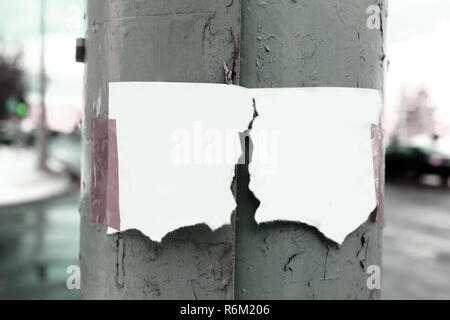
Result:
311,43
165,41
304,44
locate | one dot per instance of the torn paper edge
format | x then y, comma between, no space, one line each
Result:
111,217
238,132
376,132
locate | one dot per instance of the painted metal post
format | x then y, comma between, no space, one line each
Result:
305,43
154,40
284,44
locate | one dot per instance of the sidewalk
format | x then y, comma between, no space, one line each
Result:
21,183
39,221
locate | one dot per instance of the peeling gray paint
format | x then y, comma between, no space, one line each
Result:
312,43
281,44
154,40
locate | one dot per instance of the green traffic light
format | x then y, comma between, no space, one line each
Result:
21,109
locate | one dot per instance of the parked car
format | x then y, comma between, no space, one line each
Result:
409,160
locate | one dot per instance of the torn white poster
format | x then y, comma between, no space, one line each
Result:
178,144
319,168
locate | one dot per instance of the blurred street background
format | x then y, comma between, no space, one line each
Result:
39,151
41,89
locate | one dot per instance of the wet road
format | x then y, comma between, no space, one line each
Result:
416,247
37,244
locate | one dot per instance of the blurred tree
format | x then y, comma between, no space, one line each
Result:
12,85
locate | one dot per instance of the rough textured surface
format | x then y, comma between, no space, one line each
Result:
159,40
295,44
284,44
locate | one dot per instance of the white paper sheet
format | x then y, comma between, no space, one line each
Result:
172,138
312,159
322,172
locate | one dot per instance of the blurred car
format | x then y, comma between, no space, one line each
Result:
411,160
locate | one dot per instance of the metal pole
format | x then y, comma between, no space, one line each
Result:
43,132
144,41
284,44
306,44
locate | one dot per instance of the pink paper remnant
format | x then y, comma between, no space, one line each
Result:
105,173
378,165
